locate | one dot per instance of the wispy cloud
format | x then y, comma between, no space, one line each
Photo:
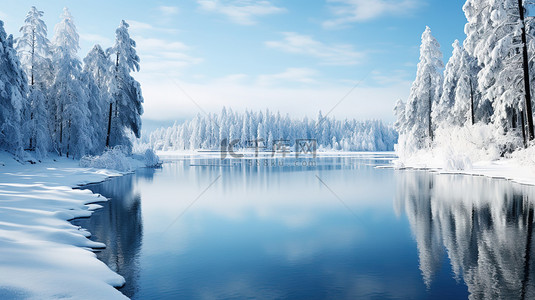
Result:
161,56
290,75
168,10
328,54
351,11
164,57
137,26
241,12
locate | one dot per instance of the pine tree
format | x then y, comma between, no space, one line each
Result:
13,91
495,38
425,91
71,102
467,108
33,49
127,108
97,77
443,112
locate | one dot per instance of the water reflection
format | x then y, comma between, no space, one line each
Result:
119,225
266,230
484,226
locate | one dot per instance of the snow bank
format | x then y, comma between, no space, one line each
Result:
118,159
114,159
475,150
149,157
42,255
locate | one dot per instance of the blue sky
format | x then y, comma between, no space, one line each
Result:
296,56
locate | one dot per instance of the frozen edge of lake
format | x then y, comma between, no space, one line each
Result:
512,169
43,255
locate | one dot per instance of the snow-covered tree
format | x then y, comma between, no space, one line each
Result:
200,133
399,112
126,91
425,91
443,111
33,49
467,108
72,113
96,78
13,91
494,37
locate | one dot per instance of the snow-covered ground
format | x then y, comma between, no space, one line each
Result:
42,255
518,166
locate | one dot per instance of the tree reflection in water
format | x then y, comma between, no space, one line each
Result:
119,225
485,226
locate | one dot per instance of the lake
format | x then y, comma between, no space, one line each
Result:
338,227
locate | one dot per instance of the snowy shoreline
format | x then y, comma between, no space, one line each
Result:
45,255
506,168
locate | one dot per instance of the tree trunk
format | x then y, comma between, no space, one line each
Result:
529,112
472,111
31,133
109,126
523,128
69,139
430,110
514,120
60,138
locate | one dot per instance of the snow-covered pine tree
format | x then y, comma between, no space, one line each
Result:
13,91
201,133
478,25
97,77
425,91
72,113
126,91
442,114
466,109
33,49
494,37
401,123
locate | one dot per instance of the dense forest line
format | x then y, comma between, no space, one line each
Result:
483,92
51,101
268,129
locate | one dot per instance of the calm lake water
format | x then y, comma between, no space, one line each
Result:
332,227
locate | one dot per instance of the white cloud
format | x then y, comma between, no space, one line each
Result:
160,56
290,75
351,11
136,26
241,12
163,57
328,54
158,44
168,10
